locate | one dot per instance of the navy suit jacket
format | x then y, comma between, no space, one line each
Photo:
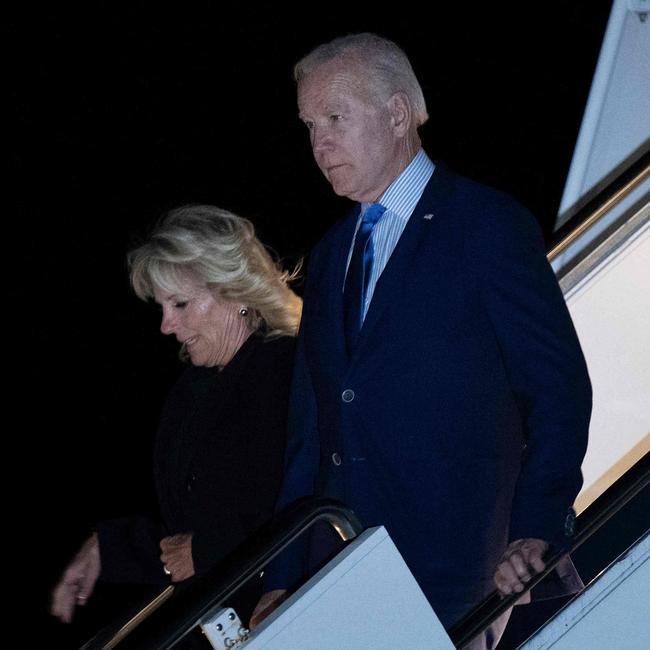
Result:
465,417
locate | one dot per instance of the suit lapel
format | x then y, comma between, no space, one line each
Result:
429,208
329,325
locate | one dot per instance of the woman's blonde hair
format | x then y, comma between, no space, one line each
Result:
217,249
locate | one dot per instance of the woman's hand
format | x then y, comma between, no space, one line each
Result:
78,581
176,556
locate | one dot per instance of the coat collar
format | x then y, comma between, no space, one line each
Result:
221,385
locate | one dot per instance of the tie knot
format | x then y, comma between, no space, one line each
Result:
373,213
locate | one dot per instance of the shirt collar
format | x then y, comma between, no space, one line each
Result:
402,195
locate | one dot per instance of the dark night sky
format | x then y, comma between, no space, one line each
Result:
123,113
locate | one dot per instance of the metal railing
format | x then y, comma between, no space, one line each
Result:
167,620
608,504
161,627
598,204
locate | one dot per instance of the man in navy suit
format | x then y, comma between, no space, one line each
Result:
456,413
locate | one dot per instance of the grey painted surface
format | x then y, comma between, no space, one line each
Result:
366,597
612,612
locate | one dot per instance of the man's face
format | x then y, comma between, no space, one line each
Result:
353,141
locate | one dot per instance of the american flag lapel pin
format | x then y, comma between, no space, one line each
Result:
428,217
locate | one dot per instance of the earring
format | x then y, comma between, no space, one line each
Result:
243,312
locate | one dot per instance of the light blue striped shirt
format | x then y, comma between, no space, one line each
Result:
399,199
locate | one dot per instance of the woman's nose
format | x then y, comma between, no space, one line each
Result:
167,324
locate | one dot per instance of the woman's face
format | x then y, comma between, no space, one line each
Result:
210,329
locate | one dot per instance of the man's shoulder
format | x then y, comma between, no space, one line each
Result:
473,194
484,210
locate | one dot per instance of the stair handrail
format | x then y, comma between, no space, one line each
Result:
161,627
587,523
597,203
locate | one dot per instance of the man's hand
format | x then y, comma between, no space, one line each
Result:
176,556
267,603
520,562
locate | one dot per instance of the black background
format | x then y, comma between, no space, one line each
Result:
122,113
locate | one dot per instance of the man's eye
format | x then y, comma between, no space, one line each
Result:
336,117
181,304
309,125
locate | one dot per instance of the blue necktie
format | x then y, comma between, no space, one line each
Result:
356,281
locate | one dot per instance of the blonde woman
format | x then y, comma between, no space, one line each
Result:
220,445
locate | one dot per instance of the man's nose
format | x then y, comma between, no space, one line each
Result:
321,140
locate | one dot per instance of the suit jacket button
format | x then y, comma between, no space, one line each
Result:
190,482
336,459
347,395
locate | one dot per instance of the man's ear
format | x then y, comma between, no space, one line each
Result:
401,114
